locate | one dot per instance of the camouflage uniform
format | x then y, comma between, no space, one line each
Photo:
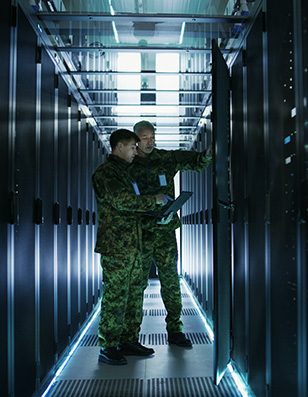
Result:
119,243
159,241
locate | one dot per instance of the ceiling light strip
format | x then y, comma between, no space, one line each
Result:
98,91
143,73
110,105
151,117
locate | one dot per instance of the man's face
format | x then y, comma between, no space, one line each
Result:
128,150
147,142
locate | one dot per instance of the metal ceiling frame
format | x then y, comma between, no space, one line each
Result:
131,17
137,49
44,21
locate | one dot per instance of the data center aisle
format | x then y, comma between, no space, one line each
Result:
172,372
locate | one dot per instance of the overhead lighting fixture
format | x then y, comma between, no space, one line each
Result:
115,32
182,32
50,5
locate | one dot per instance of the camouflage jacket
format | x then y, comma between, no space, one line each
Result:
119,228
159,168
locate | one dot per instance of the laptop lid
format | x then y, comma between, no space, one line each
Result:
174,207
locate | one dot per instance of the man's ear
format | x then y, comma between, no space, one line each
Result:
120,146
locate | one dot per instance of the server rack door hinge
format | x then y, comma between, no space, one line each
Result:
244,58
246,210
56,81
87,217
38,54
231,344
14,16
79,216
56,213
55,347
264,22
69,215
38,370
79,115
246,364
13,209
268,208
69,101
38,211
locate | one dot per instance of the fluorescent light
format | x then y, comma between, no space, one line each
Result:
51,6
182,33
74,347
115,32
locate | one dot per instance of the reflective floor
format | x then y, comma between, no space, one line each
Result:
172,372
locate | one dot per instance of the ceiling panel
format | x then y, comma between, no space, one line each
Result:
137,59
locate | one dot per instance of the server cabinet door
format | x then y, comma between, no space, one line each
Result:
221,223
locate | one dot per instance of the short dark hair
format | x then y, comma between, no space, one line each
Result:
122,135
143,125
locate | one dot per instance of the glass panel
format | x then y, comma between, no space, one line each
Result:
131,59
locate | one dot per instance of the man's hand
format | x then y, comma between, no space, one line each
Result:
209,152
166,220
162,199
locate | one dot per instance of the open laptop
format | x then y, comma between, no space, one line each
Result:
174,207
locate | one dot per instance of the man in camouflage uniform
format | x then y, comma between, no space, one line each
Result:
154,170
119,243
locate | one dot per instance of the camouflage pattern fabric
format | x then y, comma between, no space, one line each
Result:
119,228
146,170
159,242
162,247
121,307
119,241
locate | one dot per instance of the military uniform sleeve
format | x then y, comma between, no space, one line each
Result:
119,193
189,160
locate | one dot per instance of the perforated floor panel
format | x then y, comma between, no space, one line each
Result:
171,372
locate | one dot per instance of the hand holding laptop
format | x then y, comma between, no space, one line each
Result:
162,199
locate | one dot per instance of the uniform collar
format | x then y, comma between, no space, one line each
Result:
120,162
154,155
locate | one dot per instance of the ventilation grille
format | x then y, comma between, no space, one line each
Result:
158,296
162,339
163,312
157,387
157,339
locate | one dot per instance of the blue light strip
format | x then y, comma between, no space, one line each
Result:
242,387
70,354
207,326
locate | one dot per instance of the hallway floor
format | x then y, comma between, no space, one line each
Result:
172,372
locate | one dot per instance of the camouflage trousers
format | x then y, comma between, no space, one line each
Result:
161,246
121,306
